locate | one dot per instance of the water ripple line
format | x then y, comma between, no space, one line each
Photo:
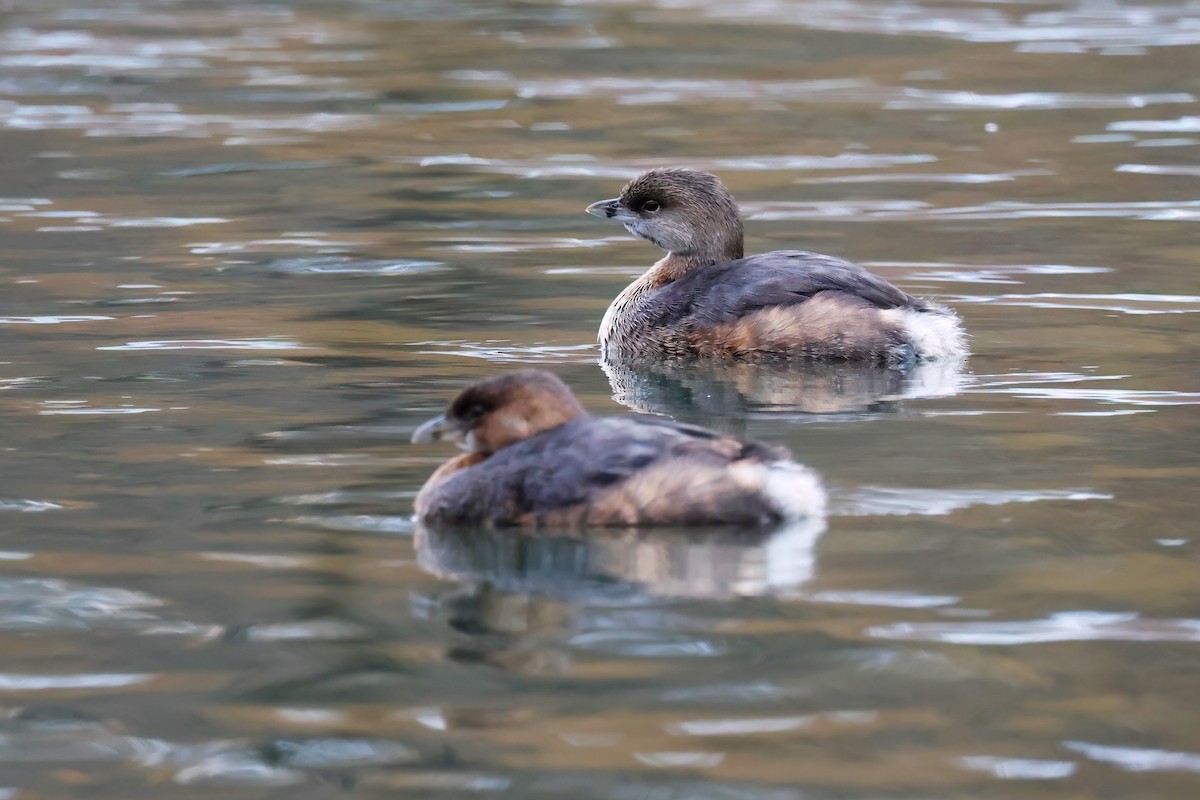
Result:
1065,626
1109,29
1020,769
1137,759
209,344
895,501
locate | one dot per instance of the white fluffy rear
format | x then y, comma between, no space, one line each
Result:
793,490
934,335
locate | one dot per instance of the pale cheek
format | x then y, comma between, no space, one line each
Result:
655,234
516,428
499,431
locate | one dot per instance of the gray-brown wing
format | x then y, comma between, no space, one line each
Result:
726,292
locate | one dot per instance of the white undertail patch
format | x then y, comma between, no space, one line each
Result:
792,490
934,335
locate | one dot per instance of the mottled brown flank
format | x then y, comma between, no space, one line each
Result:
830,325
677,492
690,487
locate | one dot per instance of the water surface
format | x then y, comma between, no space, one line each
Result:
248,248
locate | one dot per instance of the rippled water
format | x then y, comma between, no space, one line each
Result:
249,247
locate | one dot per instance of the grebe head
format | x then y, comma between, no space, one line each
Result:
686,212
503,410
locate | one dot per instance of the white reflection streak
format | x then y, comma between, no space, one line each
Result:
887,501
50,320
1020,768
319,717
39,683
672,760
931,100
309,630
575,166
208,344
28,506
1020,378
431,718
1134,397
1136,759
500,351
1138,298
94,411
1159,169
1181,125
1103,27
1073,301
1066,626
359,522
211,248
885,599
237,768
641,90
96,221
742,727
912,210
258,560
161,222
926,177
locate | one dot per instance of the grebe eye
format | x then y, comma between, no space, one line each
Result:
476,411
650,206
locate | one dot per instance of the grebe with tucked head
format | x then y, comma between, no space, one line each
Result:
537,459
705,299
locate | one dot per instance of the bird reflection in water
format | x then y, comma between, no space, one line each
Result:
525,596
718,392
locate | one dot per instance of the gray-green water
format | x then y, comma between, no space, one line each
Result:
248,247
